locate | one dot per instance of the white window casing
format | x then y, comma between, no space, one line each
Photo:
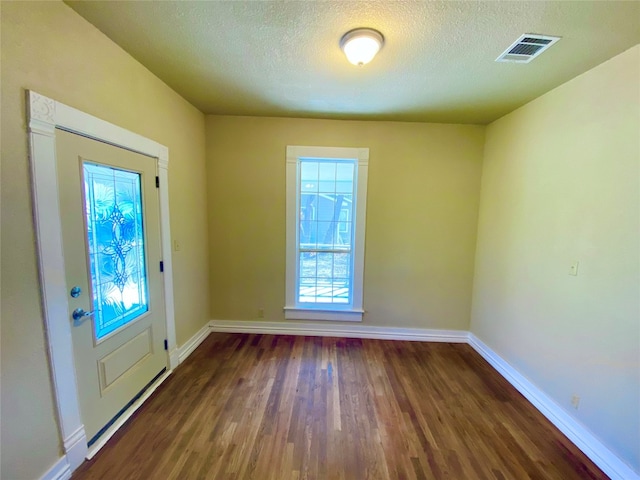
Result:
353,310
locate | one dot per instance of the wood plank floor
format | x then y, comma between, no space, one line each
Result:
282,407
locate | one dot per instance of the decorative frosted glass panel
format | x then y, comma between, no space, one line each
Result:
113,201
326,192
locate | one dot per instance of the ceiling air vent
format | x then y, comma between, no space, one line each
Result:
526,48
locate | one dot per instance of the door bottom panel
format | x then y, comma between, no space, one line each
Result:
124,358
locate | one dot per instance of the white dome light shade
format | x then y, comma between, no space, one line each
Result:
361,45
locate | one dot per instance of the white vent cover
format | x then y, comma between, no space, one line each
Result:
526,48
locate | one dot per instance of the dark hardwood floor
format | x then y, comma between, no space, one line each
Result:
283,407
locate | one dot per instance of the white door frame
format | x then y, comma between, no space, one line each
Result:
43,116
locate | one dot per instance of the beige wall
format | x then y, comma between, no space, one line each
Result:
561,184
422,209
47,47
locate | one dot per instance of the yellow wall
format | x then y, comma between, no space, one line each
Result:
561,184
47,47
422,209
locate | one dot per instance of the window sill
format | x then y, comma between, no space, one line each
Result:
294,313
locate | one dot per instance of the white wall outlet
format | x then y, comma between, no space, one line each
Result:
575,401
573,269
261,313
177,246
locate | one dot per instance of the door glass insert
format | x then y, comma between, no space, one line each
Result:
115,238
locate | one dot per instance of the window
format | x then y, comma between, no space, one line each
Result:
326,210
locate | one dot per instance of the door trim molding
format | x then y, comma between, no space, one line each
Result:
44,115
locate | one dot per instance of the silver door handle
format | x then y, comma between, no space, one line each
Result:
79,314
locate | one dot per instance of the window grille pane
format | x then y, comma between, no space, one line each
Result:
309,176
347,203
342,265
308,220
308,264
327,177
309,170
340,292
326,205
326,234
113,200
344,177
325,266
307,290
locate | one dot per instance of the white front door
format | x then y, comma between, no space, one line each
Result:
111,234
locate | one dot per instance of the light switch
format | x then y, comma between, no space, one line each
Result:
177,246
573,269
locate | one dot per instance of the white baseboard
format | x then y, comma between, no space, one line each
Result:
58,471
335,330
95,448
185,350
76,447
593,448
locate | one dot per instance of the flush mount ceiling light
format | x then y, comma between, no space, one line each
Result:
361,45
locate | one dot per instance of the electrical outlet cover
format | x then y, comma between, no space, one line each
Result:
573,269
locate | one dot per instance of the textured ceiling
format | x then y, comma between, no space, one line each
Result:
283,58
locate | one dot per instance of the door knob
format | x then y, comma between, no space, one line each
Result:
79,315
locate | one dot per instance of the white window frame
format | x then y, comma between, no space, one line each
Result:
354,311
